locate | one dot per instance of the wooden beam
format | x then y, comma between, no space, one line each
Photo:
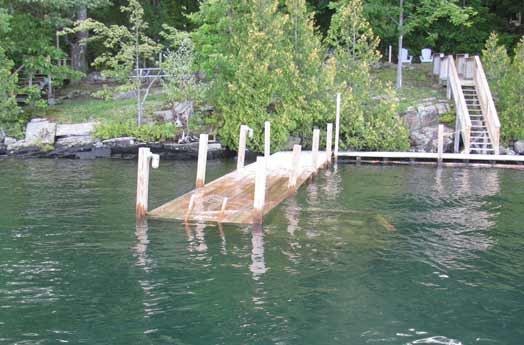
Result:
295,169
267,139
314,150
242,147
222,209
260,191
440,143
142,181
329,138
202,161
190,208
337,125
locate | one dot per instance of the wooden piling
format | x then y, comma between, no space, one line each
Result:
190,208
142,181
337,125
222,209
202,161
260,191
329,138
314,150
242,147
440,145
267,139
295,169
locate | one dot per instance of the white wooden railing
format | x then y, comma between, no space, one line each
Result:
454,87
487,105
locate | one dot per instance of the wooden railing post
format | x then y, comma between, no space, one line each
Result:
295,169
260,191
267,140
202,161
329,138
242,145
440,143
337,125
142,181
314,150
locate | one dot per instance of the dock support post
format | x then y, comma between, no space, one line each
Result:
189,208
337,125
314,150
222,210
260,191
142,181
202,161
295,168
267,140
242,145
440,147
329,138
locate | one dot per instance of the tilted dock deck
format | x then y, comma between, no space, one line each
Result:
239,189
244,195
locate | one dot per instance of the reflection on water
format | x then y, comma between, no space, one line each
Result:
360,255
258,264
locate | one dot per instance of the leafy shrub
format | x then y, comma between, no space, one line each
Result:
144,133
506,77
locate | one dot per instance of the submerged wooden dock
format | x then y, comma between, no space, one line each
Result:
230,199
245,195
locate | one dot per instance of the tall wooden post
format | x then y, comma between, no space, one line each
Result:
260,191
329,138
440,144
295,169
389,54
142,180
337,125
448,83
267,140
242,147
202,161
314,150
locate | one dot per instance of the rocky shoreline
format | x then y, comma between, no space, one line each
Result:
46,139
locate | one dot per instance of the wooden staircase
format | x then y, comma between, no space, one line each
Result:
477,125
480,142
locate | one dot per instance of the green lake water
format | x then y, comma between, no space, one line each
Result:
362,255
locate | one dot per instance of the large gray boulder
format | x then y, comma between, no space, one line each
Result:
425,114
163,116
519,147
40,131
426,139
76,129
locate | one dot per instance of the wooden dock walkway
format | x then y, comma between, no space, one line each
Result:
238,188
243,196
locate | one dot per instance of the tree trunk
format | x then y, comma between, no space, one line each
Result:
79,47
400,38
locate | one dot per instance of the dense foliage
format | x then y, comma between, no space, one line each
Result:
506,76
369,119
254,60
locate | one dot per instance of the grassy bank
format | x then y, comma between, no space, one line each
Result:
87,108
417,83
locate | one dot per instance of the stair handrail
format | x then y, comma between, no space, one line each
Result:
455,89
487,105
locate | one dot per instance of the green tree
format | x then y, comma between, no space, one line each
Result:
368,117
126,49
9,111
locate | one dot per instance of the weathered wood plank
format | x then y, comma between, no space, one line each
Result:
239,189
